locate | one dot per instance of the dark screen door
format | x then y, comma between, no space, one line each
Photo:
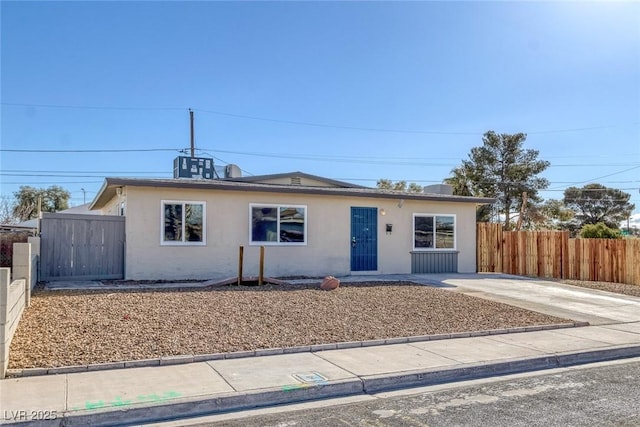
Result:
364,239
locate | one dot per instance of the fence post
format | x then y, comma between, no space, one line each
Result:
5,282
240,261
35,260
261,268
22,268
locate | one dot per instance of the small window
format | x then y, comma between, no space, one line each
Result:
434,232
183,223
278,224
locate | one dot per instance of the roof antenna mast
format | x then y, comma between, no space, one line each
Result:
192,143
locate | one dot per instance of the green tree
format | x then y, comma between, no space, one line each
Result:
387,184
599,231
463,185
596,203
550,215
502,169
52,199
414,188
462,182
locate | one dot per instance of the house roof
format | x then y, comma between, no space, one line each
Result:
80,209
108,190
297,174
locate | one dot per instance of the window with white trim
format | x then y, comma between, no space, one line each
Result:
183,223
432,231
277,224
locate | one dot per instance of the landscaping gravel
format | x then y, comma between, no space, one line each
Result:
619,288
63,328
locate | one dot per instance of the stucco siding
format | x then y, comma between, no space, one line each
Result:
327,250
113,206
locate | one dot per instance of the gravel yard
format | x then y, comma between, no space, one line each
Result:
619,288
63,328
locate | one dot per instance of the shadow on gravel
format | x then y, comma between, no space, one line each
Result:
247,286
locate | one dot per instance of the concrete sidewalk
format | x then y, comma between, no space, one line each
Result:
148,394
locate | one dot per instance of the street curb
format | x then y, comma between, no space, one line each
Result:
182,359
433,376
204,405
369,384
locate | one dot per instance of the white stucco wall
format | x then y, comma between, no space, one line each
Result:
227,227
112,207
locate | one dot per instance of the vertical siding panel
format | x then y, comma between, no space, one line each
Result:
434,262
539,258
570,272
565,256
522,248
633,262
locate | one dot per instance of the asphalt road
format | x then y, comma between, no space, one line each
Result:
606,394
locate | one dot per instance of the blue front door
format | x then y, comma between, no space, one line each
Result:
364,239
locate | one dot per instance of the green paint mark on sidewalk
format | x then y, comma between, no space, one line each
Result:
119,401
94,405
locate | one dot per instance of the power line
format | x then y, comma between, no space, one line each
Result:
93,107
604,176
325,125
50,175
303,123
115,150
225,162
406,161
49,182
58,171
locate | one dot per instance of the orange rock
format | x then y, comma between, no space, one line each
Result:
329,283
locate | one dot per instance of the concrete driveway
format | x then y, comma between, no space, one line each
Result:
556,299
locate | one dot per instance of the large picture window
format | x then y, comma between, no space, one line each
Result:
278,224
434,231
183,223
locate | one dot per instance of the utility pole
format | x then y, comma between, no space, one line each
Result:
193,148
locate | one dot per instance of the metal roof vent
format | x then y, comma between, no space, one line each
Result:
232,171
295,180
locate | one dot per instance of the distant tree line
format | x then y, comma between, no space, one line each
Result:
502,169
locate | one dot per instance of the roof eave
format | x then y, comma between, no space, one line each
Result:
108,190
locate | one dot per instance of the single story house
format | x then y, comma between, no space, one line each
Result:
309,225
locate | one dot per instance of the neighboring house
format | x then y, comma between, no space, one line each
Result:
309,225
81,209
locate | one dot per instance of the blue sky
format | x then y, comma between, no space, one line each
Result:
355,91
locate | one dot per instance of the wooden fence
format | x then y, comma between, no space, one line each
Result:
553,254
81,247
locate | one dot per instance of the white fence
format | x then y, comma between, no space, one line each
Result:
15,294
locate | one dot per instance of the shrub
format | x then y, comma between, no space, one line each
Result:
599,231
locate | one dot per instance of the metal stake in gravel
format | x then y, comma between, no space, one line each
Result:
261,273
240,257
